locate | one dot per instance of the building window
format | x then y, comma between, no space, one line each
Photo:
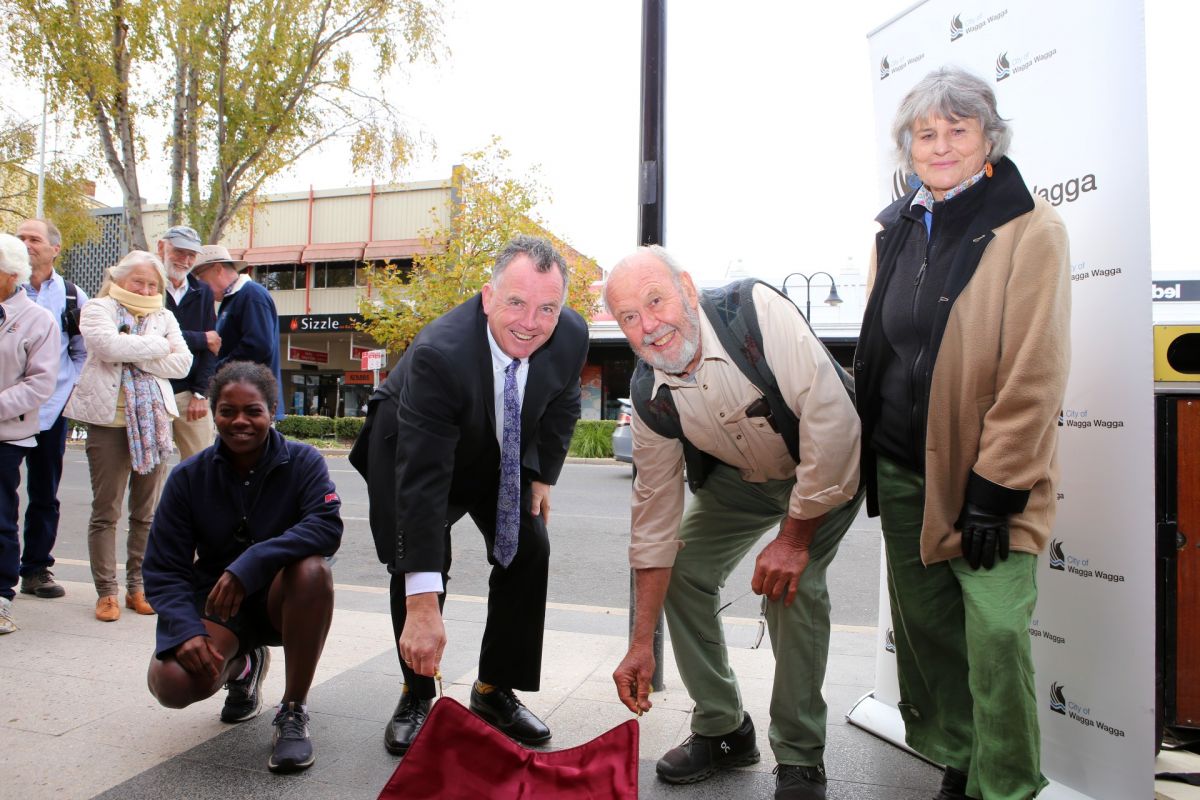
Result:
333,274
281,276
403,265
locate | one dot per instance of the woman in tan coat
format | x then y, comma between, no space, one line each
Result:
134,347
960,373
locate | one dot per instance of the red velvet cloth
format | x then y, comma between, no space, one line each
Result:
458,756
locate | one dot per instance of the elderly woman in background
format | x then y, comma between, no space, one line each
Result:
134,347
29,345
960,373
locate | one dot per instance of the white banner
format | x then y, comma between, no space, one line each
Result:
1071,77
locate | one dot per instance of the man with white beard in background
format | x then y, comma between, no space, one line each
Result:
191,301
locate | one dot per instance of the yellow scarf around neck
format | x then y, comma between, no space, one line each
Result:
137,304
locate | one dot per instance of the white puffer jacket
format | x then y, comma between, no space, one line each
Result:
160,350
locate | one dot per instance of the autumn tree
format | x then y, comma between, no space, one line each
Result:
245,87
490,205
63,200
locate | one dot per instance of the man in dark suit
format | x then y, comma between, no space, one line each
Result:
476,419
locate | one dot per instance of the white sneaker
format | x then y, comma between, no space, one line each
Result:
7,623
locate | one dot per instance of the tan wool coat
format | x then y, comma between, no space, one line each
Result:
998,384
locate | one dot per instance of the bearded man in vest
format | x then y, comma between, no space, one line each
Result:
733,383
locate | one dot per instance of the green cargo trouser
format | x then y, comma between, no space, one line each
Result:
962,651
726,518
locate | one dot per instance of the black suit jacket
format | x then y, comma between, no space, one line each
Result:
438,408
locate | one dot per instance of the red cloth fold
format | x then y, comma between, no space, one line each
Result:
458,756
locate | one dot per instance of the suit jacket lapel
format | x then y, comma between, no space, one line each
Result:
484,365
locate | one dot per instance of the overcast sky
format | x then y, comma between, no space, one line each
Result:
769,123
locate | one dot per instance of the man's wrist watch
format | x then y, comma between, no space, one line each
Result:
198,396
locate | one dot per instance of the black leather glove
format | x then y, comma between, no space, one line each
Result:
984,536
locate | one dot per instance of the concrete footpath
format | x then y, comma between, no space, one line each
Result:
76,719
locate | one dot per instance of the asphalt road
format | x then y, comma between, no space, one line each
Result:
589,535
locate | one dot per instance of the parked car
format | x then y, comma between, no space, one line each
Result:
622,438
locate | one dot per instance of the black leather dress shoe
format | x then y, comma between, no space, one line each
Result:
700,757
954,785
407,719
502,709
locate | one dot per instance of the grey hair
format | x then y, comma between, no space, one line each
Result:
14,257
540,251
53,236
660,253
126,265
950,93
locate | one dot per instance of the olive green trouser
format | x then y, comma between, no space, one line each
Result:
726,518
962,651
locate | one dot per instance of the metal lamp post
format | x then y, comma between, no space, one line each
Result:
831,300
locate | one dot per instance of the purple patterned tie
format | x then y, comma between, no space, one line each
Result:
508,503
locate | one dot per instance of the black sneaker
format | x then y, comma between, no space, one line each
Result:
700,757
291,749
794,782
244,700
41,584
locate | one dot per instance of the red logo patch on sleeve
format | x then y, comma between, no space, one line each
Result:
332,498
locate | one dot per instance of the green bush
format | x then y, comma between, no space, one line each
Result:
347,428
593,438
299,427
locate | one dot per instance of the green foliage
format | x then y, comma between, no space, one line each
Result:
64,203
245,86
490,206
347,428
300,427
593,438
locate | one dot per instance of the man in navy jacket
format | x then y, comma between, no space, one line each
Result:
192,304
247,322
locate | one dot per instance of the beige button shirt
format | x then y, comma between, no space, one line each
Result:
712,406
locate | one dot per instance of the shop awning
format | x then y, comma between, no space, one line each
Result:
395,248
284,254
334,251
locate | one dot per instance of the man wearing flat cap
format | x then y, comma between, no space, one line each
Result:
191,301
247,322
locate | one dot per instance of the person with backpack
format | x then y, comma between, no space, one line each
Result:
734,384
44,461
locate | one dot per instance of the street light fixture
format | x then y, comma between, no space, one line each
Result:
831,300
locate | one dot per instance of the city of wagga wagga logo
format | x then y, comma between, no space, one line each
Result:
1081,567
1082,418
1061,704
1036,632
1081,272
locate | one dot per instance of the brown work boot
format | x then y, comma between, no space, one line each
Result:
137,601
108,609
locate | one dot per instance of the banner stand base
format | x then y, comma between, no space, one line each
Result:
884,720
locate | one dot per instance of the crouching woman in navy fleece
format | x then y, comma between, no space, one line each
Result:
237,562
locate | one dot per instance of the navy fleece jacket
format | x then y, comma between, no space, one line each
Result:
249,327
291,511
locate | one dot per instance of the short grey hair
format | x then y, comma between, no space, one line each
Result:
659,252
53,235
950,93
540,251
135,258
14,257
